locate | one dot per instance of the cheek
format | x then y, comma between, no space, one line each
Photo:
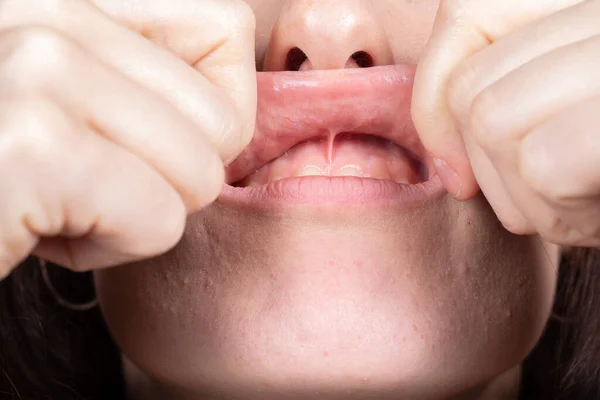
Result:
420,303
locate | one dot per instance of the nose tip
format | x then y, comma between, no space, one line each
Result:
313,34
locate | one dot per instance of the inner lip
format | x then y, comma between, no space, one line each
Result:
295,107
415,162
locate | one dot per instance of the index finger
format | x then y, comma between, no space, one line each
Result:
214,37
461,29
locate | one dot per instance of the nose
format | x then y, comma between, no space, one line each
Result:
327,34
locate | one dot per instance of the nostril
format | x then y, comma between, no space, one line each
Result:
295,59
363,59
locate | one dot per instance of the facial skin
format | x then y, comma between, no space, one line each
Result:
368,301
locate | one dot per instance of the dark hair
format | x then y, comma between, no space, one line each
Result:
566,361
48,352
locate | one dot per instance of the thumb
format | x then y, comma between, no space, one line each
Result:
461,29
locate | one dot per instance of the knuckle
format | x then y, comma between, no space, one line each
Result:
556,230
36,56
539,171
226,128
172,227
483,121
13,250
32,130
459,94
235,139
516,226
513,222
576,226
239,16
589,231
554,227
450,9
209,189
76,265
175,228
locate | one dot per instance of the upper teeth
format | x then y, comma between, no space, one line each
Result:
312,170
352,170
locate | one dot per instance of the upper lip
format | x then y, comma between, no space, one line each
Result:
294,107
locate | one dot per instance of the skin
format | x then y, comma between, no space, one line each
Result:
444,301
475,67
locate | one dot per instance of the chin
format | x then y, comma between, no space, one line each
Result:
334,264
362,301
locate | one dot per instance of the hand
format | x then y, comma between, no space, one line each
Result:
507,98
116,117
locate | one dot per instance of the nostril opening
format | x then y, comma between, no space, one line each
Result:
363,59
295,59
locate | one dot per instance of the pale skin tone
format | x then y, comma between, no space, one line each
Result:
117,119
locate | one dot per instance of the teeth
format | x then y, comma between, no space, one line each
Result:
354,156
277,178
352,170
311,170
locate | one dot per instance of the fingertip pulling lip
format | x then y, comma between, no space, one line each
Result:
333,191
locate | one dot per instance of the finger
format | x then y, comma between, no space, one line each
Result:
461,29
555,223
37,59
516,49
542,90
498,127
560,160
56,181
494,187
213,36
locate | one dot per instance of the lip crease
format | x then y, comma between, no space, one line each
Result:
294,107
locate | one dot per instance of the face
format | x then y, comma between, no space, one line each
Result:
330,285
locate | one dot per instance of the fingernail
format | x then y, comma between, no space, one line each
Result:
448,177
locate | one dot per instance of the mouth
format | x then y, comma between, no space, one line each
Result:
334,136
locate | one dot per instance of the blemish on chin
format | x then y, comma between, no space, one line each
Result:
469,222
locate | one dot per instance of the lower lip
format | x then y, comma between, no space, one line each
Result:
333,191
